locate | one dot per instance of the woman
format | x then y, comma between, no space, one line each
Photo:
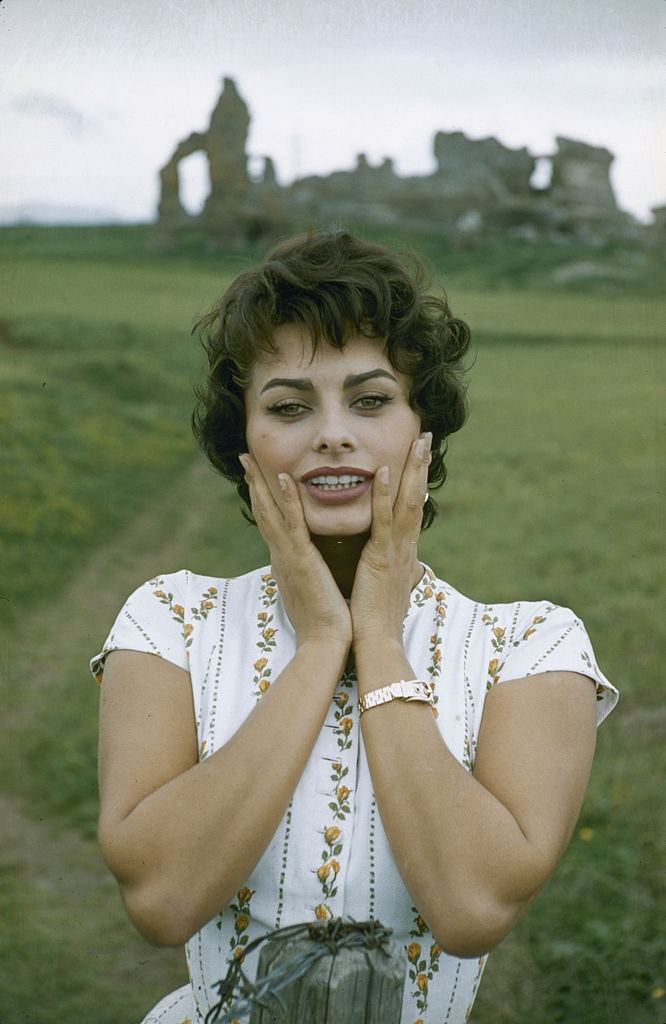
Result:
259,769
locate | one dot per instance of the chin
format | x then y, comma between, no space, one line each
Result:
321,528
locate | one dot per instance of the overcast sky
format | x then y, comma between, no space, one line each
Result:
94,96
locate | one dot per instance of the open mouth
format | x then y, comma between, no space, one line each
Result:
334,493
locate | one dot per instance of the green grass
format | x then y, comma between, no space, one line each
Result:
553,493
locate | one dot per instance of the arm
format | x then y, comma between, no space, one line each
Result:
474,850
181,836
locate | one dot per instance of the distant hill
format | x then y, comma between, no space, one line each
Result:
57,213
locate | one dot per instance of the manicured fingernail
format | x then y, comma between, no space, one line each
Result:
282,480
383,475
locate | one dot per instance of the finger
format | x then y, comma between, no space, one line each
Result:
413,490
263,504
382,508
292,508
274,516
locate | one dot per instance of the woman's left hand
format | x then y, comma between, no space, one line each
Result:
385,572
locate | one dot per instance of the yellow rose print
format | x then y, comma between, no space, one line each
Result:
331,833
414,951
322,912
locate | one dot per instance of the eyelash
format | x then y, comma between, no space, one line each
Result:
277,409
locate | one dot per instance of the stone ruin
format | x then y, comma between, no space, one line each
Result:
479,186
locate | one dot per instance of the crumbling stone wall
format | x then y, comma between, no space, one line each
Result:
478,185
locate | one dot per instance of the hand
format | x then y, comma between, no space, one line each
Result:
384,575
312,598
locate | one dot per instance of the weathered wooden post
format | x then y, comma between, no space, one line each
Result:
332,972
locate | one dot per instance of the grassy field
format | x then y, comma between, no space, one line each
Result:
553,492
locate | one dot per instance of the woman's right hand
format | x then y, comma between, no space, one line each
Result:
311,597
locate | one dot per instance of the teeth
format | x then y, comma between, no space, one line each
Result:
345,480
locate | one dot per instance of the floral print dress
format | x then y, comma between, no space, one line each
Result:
330,856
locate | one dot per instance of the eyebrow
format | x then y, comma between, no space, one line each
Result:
305,384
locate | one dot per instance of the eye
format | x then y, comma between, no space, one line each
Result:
381,399
281,409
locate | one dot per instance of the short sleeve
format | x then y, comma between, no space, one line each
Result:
152,620
550,638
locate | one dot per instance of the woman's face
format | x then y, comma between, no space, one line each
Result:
303,416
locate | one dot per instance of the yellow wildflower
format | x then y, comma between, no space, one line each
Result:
658,992
586,834
331,833
413,951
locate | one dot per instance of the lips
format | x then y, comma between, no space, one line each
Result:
336,471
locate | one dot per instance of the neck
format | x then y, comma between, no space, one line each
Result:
342,555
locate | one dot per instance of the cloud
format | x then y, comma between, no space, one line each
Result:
41,105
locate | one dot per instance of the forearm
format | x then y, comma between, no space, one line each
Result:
463,857
185,849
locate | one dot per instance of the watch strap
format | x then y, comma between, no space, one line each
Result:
405,689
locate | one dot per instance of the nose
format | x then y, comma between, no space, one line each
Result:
333,432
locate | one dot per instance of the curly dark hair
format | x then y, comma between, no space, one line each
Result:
335,285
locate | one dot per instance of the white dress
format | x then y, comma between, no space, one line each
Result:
330,856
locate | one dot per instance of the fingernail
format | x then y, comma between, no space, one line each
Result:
420,448
243,459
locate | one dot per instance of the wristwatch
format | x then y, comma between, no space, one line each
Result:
405,689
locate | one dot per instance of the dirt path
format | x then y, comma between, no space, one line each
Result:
65,871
